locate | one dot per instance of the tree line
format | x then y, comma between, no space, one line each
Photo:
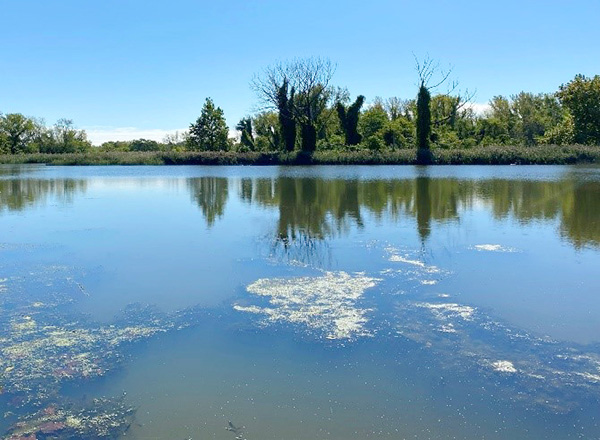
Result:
301,110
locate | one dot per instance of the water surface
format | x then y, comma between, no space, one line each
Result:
306,302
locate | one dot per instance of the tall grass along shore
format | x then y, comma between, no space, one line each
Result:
500,155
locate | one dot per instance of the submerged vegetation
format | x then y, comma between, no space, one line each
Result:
43,347
303,118
399,303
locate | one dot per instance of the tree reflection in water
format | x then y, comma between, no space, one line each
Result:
19,194
210,194
314,209
311,210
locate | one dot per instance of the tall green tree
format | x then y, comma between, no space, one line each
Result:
18,132
210,131
423,118
63,137
349,120
536,114
246,134
285,106
581,97
522,119
426,70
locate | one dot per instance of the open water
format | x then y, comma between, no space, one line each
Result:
301,302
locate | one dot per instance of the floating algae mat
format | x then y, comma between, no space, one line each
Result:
43,346
299,303
327,303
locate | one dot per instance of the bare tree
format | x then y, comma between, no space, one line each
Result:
305,82
431,77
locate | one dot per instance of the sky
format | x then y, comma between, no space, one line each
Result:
124,69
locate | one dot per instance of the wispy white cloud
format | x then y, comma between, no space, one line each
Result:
99,135
479,108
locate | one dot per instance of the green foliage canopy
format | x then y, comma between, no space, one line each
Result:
581,97
210,131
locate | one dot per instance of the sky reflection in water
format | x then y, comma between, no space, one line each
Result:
430,284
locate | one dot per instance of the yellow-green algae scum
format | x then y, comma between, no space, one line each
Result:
42,348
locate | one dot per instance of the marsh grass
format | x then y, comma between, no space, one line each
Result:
492,155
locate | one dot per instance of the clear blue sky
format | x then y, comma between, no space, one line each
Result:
150,64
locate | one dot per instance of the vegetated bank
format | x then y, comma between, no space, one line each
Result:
489,155
304,118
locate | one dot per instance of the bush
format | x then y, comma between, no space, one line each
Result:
374,143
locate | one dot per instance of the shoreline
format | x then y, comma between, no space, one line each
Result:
503,155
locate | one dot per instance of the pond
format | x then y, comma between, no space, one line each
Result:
300,302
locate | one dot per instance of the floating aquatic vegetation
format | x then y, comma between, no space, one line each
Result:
43,346
407,257
401,259
326,303
37,358
504,366
100,419
429,282
493,248
412,268
447,311
542,371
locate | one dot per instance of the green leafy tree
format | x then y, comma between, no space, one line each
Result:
426,71
524,119
581,97
303,86
114,146
18,132
561,134
268,131
285,106
63,137
246,134
399,133
372,121
210,131
535,114
145,145
349,120
498,126
423,121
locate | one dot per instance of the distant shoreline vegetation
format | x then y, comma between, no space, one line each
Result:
489,155
304,118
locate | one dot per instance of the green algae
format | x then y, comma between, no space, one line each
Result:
98,419
44,346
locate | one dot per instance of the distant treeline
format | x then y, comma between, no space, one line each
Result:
302,111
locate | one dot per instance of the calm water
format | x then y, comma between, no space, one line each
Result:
305,303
